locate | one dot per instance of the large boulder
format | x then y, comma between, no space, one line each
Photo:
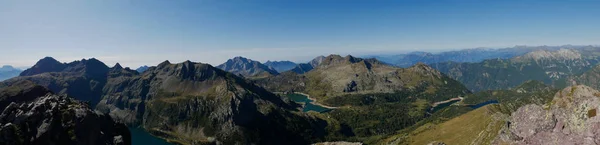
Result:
570,119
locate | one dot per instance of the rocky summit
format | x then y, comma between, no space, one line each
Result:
47,64
36,116
247,67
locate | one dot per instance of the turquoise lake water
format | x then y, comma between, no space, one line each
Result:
308,105
140,137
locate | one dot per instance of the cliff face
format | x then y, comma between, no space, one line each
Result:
54,119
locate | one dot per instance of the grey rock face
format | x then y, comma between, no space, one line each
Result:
531,113
571,119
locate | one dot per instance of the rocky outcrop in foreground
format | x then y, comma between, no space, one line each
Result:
571,118
52,119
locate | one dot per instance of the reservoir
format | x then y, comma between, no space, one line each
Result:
140,137
444,105
483,104
308,106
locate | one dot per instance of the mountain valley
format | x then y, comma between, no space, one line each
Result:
246,102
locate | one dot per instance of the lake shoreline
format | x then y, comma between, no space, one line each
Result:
314,101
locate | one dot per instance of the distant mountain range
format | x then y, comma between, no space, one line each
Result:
7,72
465,55
243,101
553,67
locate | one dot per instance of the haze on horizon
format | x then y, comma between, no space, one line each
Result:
136,33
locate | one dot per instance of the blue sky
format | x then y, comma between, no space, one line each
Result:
135,32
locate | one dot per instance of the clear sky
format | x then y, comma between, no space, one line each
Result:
138,32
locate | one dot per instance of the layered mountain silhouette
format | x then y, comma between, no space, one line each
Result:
186,102
196,103
553,67
7,72
247,67
466,55
306,67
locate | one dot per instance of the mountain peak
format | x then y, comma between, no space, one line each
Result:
425,69
142,69
316,61
246,67
48,59
164,63
7,67
46,64
117,66
335,59
240,59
